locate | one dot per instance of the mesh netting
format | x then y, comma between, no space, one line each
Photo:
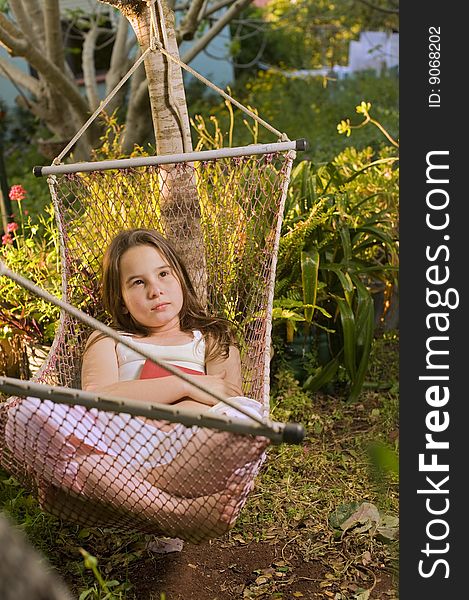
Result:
95,467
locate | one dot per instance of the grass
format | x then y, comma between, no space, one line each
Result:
301,486
297,491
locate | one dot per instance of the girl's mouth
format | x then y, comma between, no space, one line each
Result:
160,306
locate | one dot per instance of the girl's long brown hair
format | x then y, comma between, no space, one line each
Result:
218,332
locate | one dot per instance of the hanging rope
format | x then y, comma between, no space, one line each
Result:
282,136
163,49
156,45
100,108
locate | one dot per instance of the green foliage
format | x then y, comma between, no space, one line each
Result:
307,35
363,108
102,589
384,459
339,241
301,486
304,34
223,132
32,251
17,130
309,108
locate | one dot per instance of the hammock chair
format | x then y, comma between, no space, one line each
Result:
229,238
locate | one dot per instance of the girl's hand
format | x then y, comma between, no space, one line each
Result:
215,383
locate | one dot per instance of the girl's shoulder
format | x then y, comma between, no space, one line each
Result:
95,337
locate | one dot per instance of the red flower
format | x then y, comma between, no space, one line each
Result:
17,192
7,239
11,227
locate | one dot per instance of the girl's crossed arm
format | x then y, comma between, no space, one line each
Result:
223,377
229,368
100,373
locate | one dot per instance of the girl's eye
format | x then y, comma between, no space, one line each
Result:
164,273
138,282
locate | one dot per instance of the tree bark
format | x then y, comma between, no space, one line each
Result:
119,65
53,33
89,71
180,207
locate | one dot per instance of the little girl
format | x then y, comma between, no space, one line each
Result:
191,481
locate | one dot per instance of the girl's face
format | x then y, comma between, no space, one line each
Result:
151,291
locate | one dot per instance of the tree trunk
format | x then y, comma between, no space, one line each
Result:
180,208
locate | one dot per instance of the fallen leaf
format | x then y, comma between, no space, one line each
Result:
238,538
388,529
367,513
364,595
354,514
366,558
279,563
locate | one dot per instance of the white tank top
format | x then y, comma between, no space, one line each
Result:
190,356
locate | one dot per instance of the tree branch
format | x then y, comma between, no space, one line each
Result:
8,26
24,22
11,37
214,7
203,42
53,33
191,21
119,64
37,108
89,70
34,10
392,11
19,77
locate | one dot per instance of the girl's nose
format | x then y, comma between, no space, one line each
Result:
154,290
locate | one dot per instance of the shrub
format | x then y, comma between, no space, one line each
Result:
310,108
31,249
339,244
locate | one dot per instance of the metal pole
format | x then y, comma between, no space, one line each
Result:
143,161
277,432
128,342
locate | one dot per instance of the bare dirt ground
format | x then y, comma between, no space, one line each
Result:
218,571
